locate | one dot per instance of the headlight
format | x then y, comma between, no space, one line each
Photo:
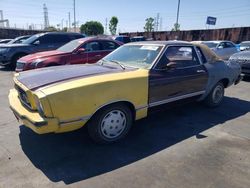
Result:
4,50
39,107
35,63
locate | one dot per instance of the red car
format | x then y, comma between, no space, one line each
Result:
79,51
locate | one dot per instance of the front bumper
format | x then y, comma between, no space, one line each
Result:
31,119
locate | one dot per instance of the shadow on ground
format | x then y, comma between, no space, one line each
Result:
73,157
6,68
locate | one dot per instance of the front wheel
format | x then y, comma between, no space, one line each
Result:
216,96
110,124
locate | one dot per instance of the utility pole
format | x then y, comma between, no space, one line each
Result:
69,23
62,23
177,17
1,18
74,15
157,22
106,26
46,17
160,28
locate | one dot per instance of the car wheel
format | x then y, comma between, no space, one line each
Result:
110,124
216,96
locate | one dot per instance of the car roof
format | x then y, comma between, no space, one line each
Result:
209,54
169,42
217,41
95,38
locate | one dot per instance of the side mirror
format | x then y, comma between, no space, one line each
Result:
36,43
220,47
81,50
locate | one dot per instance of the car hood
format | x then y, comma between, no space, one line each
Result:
38,78
241,55
41,55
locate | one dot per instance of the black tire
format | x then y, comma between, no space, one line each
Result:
14,60
216,95
99,130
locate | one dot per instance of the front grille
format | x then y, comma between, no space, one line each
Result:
23,97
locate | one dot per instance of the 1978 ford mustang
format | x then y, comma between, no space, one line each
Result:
122,87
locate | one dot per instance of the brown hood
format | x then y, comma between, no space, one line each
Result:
35,79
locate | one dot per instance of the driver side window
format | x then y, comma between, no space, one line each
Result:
182,56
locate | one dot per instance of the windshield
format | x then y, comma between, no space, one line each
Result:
245,44
18,40
31,39
210,44
70,46
140,56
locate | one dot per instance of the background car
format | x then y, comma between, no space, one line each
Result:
122,38
224,49
10,53
138,38
79,51
5,41
19,40
244,45
243,58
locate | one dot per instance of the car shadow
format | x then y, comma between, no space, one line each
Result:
72,157
246,78
6,68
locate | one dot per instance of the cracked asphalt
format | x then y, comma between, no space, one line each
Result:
189,146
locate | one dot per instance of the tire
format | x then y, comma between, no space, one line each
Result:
14,60
216,96
110,124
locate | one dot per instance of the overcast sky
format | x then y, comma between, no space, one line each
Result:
131,13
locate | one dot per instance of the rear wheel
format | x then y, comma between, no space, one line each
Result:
216,96
110,124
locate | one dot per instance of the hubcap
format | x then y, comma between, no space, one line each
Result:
218,94
113,124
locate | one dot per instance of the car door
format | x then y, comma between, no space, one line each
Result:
231,49
108,47
221,50
187,78
91,53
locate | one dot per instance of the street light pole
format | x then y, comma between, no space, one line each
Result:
74,15
177,17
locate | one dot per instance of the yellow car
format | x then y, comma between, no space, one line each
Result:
122,87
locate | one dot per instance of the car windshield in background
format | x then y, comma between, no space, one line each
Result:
245,44
31,39
140,56
71,46
210,44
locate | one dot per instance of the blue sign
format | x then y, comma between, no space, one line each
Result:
211,20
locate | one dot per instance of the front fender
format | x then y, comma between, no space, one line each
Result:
80,99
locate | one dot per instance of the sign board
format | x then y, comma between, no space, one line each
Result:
211,20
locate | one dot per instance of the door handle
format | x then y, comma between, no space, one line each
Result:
200,71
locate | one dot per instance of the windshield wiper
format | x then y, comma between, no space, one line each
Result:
118,63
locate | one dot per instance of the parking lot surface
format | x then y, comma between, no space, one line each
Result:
189,146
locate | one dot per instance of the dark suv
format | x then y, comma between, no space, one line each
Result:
10,53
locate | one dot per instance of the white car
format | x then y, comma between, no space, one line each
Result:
245,45
224,49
